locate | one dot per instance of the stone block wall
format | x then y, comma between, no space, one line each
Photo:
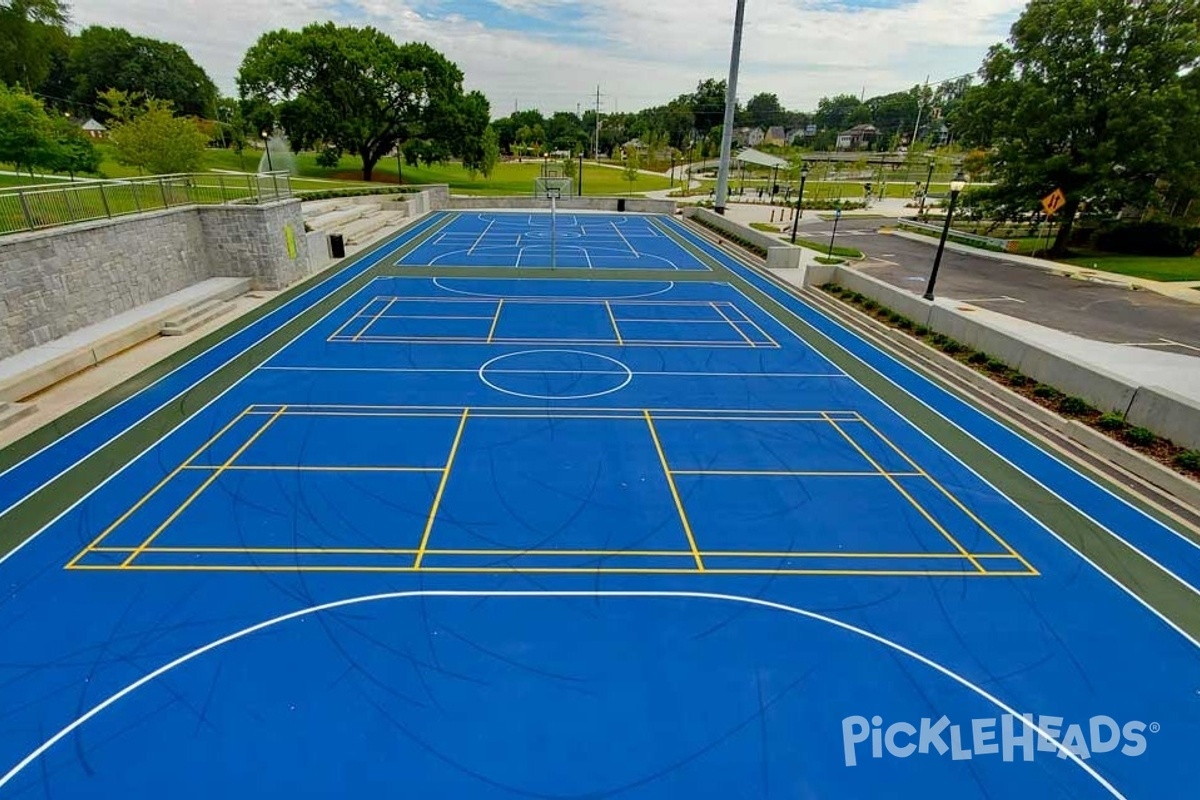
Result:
251,242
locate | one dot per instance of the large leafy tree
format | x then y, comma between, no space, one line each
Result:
154,140
26,136
357,90
764,110
113,58
1087,96
28,28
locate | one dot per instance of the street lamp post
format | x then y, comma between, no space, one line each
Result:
837,216
672,176
925,192
956,186
799,201
267,146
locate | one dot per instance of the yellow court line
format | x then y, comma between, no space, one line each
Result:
509,569
957,545
437,498
374,339
374,319
613,317
158,486
495,321
207,482
662,457
717,309
782,473
307,468
997,537
512,553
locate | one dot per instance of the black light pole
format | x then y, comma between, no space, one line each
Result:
267,146
399,166
672,170
581,172
956,186
837,215
799,201
925,192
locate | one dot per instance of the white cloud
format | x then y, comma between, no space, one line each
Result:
640,52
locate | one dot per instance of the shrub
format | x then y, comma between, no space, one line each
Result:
978,358
996,366
1150,238
1111,422
857,297
939,339
1074,406
1189,460
893,317
1142,437
870,305
921,330
1019,380
1046,392
905,324
951,347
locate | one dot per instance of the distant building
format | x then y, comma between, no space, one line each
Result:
775,135
748,137
94,129
857,138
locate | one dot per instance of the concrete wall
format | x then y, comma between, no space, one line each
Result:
1167,414
636,205
759,238
56,281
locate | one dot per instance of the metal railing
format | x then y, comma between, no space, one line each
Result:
987,242
38,207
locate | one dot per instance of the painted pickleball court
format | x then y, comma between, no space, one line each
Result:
448,526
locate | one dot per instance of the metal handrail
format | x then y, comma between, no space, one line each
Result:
989,241
40,207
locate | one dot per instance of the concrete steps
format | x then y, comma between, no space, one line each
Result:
333,221
11,412
363,230
196,316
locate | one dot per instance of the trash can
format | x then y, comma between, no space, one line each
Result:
337,246
620,204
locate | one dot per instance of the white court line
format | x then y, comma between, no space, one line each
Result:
651,374
481,237
191,417
1026,512
1063,751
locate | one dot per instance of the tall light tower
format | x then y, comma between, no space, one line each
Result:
730,106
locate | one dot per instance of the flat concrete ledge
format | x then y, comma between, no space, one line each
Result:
632,205
37,368
1166,413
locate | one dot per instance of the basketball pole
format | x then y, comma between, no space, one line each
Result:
553,230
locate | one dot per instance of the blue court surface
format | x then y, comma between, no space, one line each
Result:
574,240
511,538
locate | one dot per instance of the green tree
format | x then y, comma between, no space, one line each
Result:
27,29
764,110
490,151
113,58
633,163
157,141
1086,96
72,151
356,89
708,104
26,136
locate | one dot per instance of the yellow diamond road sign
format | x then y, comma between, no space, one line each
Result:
1052,202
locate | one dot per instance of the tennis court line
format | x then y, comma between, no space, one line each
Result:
502,370
495,321
517,569
401,551
373,320
200,489
612,317
437,498
662,457
896,485
749,341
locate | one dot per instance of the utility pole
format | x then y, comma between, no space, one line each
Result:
730,105
596,149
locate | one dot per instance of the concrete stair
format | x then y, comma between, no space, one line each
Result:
11,412
333,221
196,316
364,229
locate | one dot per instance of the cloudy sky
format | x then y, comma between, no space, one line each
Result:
551,54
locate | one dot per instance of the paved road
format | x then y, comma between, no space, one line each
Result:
1104,313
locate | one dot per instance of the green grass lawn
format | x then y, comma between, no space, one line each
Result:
1155,268
509,177
8,181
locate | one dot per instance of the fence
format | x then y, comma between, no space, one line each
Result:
962,237
34,208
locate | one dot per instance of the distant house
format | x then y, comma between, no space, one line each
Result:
775,135
748,137
94,129
856,138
